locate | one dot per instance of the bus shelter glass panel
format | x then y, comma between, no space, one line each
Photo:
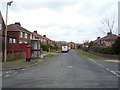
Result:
35,49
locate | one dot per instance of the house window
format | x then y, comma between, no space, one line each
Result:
31,36
21,34
0,26
10,40
41,40
102,42
14,40
20,42
25,35
44,40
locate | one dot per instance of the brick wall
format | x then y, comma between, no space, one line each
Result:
16,51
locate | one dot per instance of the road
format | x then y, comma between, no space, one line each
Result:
66,70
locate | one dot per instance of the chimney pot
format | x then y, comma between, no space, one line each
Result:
17,23
35,31
44,35
98,37
109,33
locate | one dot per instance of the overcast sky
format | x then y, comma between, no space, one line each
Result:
61,20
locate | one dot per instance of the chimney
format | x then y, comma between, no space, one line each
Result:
17,23
35,31
44,35
98,37
109,33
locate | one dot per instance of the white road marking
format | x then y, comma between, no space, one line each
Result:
7,75
8,72
117,71
113,72
69,66
64,53
23,69
15,72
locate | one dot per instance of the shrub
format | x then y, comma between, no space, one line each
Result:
45,47
104,50
86,49
116,46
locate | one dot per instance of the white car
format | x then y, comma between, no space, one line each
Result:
65,49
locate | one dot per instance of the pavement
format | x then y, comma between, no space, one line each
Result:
22,64
66,70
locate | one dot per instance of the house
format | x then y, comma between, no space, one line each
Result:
2,30
106,41
9,39
72,45
46,40
21,34
35,35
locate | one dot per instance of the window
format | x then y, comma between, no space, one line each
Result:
14,40
102,42
30,36
25,35
21,34
44,40
41,40
20,42
10,40
0,26
33,37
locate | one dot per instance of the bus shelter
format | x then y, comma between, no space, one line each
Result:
35,48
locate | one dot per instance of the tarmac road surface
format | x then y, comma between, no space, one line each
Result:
66,70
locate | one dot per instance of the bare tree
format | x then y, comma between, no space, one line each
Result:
109,25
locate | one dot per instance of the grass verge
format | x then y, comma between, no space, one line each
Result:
49,56
88,55
58,52
21,62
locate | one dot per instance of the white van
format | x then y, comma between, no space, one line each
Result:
64,49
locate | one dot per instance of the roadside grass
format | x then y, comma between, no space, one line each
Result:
21,62
58,52
49,56
88,55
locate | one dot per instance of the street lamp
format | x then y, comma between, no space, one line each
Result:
5,51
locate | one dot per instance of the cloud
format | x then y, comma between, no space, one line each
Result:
70,20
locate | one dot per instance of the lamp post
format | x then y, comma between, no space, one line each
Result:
5,51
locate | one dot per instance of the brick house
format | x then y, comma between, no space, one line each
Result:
72,45
106,41
22,34
2,29
35,35
46,40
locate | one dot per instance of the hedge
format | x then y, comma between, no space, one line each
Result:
104,50
46,47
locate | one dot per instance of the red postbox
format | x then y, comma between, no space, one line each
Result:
28,53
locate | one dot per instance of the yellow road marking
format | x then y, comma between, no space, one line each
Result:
113,60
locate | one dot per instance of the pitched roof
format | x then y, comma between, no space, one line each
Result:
71,43
36,34
14,27
109,36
